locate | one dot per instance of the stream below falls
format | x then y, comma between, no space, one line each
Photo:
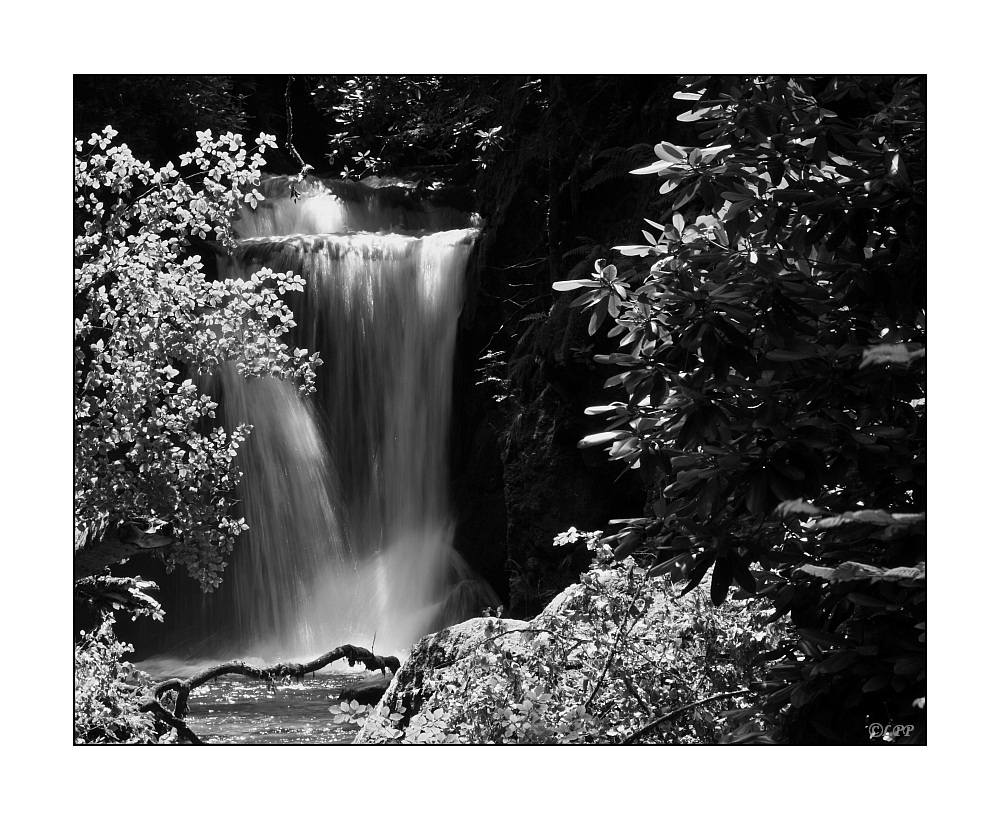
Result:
236,710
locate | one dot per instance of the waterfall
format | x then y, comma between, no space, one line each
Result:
346,491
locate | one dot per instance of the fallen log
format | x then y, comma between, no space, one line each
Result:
279,671
368,691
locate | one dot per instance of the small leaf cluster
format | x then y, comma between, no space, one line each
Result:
349,712
129,595
772,350
491,375
148,322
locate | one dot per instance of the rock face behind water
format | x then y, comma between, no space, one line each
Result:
550,483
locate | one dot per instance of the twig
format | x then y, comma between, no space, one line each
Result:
627,680
704,670
614,647
654,723
289,144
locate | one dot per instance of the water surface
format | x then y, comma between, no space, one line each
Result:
235,710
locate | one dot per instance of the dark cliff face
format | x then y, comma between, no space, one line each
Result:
519,477
550,484
477,472
556,199
552,205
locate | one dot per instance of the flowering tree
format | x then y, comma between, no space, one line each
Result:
150,470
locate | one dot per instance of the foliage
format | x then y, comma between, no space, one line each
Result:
612,654
108,691
147,322
771,358
389,121
491,375
130,595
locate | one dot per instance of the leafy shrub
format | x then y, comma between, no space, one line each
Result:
148,320
149,468
108,691
772,365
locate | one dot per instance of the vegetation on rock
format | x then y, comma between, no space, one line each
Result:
618,658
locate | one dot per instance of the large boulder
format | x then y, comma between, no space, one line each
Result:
410,688
454,686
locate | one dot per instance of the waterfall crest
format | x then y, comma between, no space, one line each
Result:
346,491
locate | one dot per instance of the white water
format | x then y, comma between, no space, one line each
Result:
346,492
333,207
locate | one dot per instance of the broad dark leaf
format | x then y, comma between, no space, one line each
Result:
740,565
698,572
722,577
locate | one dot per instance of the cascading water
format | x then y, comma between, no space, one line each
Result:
346,491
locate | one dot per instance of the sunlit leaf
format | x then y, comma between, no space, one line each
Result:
573,284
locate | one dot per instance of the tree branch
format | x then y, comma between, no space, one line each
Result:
353,655
116,545
654,723
618,637
184,732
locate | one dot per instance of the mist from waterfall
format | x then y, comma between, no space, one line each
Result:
346,491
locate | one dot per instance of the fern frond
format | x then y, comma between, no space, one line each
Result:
619,162
583,249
